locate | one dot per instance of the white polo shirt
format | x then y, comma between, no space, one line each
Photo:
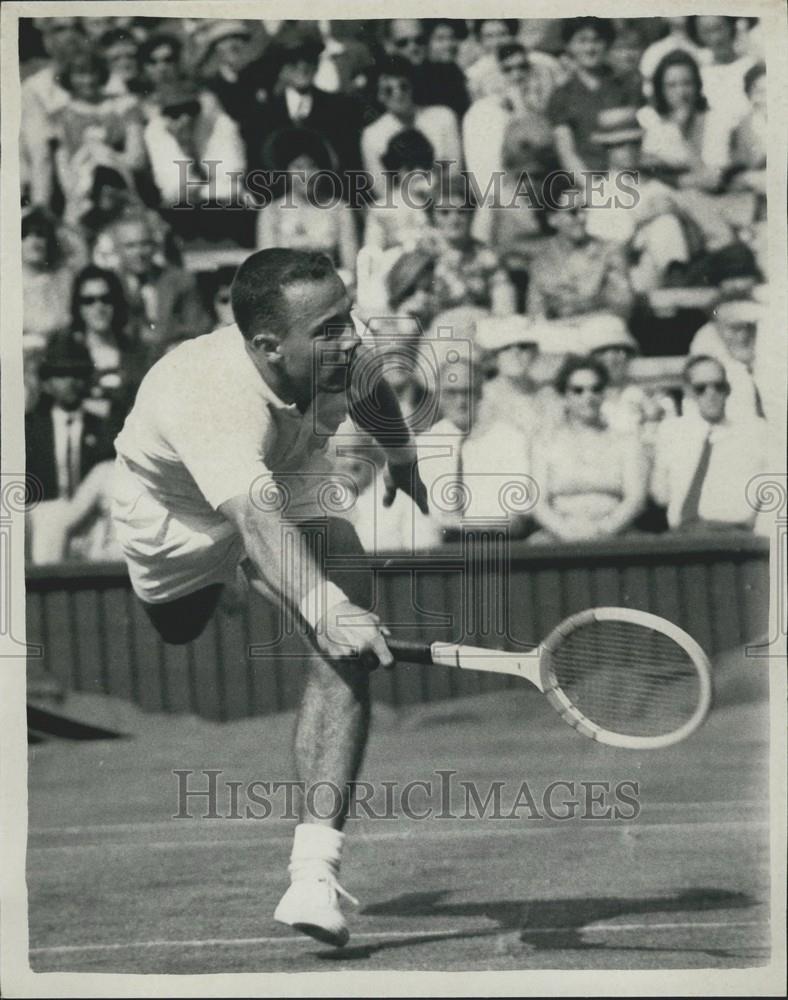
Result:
205,427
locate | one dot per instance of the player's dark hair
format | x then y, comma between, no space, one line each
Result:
256,293
578,363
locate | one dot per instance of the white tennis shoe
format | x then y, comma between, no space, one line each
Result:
311,906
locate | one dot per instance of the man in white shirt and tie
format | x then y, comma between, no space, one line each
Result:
703,461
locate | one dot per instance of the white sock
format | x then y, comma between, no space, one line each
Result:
317,851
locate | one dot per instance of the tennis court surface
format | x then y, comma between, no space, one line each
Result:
117,885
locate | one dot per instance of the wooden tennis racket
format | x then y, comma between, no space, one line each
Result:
622,677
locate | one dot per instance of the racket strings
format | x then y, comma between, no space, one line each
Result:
627,678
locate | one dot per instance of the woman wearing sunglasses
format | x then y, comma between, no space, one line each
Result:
592,479
99,318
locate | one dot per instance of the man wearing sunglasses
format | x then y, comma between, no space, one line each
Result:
180,131
703,462
222,462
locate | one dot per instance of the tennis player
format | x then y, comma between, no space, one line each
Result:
217,423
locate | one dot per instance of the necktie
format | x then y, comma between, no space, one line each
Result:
70,471
689,509
759,410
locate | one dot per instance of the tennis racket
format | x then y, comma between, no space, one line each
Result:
618,676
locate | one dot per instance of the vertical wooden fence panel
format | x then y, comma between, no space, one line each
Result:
97,638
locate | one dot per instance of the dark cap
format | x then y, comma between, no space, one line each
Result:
64,355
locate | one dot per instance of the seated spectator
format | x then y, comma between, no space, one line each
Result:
63,441
576,275
682,137
224,47
467,272
507,130
94,130
731,338
99,318
346,59
183,131
163,300
311,214
575,106
43,98
216,285
394,89
120,50
294,56
638,213
623,58
160,66
400,215
750,136
80,528
471,471
484,74
626,406
108,199
47,274
510,395
704,461
724,72
436,81
440,80
675,38
592,478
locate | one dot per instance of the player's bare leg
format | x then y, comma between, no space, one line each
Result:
330,738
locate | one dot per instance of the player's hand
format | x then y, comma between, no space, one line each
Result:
347,631
405,476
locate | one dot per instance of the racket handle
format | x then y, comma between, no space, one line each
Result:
410,652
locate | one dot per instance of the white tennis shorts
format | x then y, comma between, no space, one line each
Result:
169,555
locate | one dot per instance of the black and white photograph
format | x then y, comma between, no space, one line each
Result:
393,508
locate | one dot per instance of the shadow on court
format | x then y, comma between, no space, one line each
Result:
558,924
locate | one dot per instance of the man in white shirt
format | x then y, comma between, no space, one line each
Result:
732,338
183,131
703,462
395,93
220,462
42,99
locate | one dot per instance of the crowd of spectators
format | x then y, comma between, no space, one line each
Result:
553,229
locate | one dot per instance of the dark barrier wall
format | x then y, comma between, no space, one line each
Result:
96,638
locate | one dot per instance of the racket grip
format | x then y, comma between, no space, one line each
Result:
410,652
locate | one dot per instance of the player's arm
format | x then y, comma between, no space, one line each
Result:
302,584
374,407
